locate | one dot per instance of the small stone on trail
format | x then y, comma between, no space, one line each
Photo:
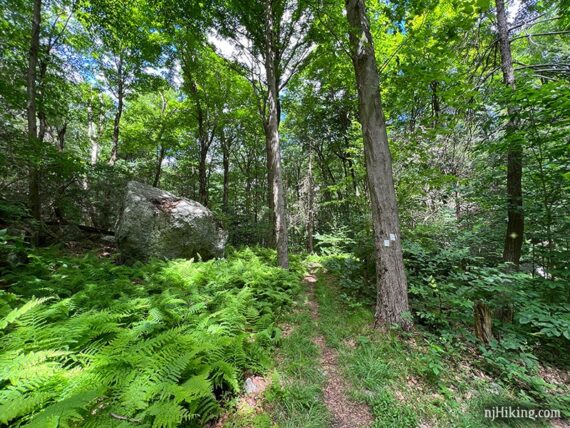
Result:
250,387
255,385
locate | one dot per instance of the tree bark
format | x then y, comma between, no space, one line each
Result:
392,291
515,223
161,148
40,98
271,208
34,179
311,215
226,145
92,133
483,322
204,145
203,175
119,113
160,158
435,108
272,139
61,136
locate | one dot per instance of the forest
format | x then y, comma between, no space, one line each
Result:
284,213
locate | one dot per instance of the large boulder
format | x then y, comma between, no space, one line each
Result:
155,223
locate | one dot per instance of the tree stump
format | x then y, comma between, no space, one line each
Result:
483,322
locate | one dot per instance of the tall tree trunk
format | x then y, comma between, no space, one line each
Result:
311,216
119,113
40,103
325,216
435,108
392,289
204,145
272,139
226,189
271,209
161,148
515,224
249,197
61,136
40,94
34,179
203,174
226,167
92,133
160,158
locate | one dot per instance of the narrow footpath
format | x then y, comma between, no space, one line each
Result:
345,412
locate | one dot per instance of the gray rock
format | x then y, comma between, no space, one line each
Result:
495,388
108,239
156,223
250,387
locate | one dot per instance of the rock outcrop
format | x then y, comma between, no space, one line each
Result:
154,223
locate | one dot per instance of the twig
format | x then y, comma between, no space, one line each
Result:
124,418
549,33
530,21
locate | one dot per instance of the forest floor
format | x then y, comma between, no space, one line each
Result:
333,369
323,366
345,413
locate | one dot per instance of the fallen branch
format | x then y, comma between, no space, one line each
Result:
124,418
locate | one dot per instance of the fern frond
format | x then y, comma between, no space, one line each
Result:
16,366
20,312
166,414
67,412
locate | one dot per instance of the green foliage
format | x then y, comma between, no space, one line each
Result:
334,243
11,248
296,392
530,313
159,344
166,343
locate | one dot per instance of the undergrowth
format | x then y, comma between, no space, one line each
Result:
405,378
443,285
85,342
294,397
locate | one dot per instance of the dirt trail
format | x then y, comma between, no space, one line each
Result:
345,412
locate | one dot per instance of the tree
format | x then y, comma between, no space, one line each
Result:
271,53
154,125
201,78
515,224
392,291
124,44
214,92
34,179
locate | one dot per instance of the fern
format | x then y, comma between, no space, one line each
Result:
153,345
166,414
66,412
13,316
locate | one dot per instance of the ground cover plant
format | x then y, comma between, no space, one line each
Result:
91,343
